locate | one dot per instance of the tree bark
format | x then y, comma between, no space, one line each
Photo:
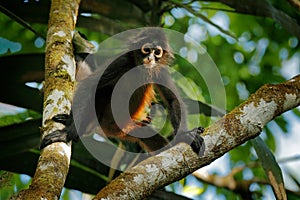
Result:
53,164
241,124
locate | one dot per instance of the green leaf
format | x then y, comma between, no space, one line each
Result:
270,141
296,112
282,123
271,167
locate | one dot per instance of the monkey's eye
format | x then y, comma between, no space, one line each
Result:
146,48
158,52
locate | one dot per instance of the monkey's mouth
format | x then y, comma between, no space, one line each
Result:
149,63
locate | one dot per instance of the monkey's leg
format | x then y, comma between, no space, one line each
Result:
158,143
147,138
65,135
154,143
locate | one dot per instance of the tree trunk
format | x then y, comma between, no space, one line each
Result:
53,164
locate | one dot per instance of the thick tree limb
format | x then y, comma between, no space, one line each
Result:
243,123
54,160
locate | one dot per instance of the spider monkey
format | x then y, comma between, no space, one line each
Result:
151,50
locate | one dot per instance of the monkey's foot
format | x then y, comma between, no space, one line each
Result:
194,139
56,136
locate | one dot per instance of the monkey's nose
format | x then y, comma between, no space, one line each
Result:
149,60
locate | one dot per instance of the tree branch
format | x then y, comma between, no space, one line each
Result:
241,124
54,160
295,3
229,181
264,8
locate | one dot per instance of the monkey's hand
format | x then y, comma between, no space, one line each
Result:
145,122
64,119
65,135
192,138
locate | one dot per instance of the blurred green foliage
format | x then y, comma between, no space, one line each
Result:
248,50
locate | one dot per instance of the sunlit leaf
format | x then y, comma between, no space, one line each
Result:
192,190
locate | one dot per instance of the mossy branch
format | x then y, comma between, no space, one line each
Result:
53,164
241,124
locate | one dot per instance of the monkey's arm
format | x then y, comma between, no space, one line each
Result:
169,94
177,112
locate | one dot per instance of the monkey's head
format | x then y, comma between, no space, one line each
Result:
152,49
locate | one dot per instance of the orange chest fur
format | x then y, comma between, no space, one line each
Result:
140,101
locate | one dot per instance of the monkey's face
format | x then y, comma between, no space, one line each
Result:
152,50
151,55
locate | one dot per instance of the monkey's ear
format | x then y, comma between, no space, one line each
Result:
81,45
82,48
